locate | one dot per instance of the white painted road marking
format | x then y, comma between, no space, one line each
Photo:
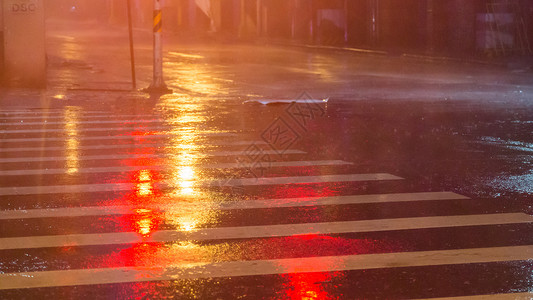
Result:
133,155
109,187
126,127
510,296
156,144
114,137
247,232
262,267
248,204
160,167
103,121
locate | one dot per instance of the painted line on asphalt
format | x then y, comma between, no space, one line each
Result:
52,112
250,232
110,187
187,271
133,156
510,296
125,146
104,121
302,179
234,205
121,169
114,137
61,116
163,129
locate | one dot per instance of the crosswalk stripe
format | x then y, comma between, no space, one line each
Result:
44,111
61,115
51,114
126,146
159,167
79,122
247,232
249,204
198,270
110,187
116,137
126,156
510,296
302,179
164,129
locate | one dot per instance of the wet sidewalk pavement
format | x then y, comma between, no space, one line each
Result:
85,61
413,181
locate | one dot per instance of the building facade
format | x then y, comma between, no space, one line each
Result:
453,27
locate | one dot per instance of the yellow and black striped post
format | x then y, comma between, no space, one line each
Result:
157,21
158,85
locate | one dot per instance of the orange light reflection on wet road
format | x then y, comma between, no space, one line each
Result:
72,144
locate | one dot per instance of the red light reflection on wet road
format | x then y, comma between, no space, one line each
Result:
144,219
308,286
300,284
303,191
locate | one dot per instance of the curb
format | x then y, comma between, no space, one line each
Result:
422,57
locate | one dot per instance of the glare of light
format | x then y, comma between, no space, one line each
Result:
144,175
185,176
185,150
185,245
144,185
186,173
144,189
186,188
183,157
144,225
185,55
197,78
72,143
59,97
188,225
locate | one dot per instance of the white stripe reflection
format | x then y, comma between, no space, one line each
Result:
303,179
199,166
248,204
246,232
126,146
263,267
93,129
511,296
132,155
109,187
117,137
124,123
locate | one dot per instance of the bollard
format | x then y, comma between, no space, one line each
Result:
158,85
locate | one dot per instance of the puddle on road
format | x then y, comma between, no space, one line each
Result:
516,183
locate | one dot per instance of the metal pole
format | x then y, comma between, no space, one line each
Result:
132,53
259,19
430,25
242,25
375,22
346,15
158,85
293,5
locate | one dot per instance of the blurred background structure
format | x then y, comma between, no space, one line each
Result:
453,27
474,28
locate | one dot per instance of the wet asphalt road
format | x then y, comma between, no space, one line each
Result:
413,181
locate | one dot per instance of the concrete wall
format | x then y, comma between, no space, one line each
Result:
24,43
1,41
